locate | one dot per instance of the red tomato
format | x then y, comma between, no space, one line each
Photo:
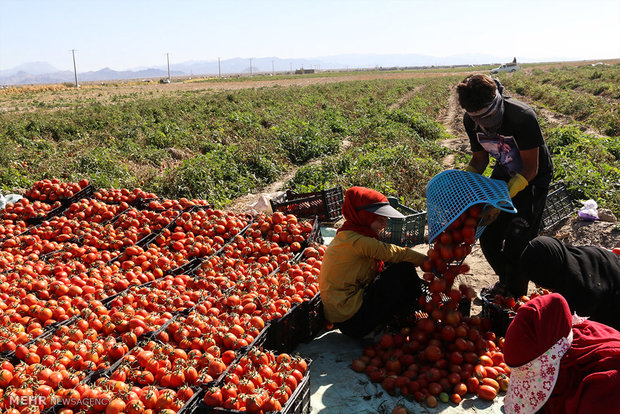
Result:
433,353
486,392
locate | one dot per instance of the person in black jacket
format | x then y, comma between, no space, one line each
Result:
508,131
587,276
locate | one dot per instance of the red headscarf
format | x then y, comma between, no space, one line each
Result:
589,371
356,220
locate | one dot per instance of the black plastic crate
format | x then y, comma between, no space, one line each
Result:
407,231
86,192
558,206
286,333
298,402
314,238
326,204
188,268
311,318
500,317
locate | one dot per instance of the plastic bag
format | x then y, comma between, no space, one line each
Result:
9,199
589,211
263,205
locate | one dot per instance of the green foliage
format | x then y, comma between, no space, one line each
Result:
586,93
382,134
218,175
596,176
401,170
426,127
103,167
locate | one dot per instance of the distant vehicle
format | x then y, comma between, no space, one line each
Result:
164,80
507,67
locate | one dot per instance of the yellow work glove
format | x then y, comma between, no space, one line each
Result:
471,169
516,184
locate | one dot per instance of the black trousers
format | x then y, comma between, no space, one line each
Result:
394,291
503,240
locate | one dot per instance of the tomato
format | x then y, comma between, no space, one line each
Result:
472,385
389,383
115,406
393,365
486,392
358,365
433,353
491,382
5,378
486,361
399,409
503,381
431,401
386,341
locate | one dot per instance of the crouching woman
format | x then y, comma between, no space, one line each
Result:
357,293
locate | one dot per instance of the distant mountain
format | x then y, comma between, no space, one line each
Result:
41,72
33,68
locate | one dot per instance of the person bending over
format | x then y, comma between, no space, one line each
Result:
587,276
508,130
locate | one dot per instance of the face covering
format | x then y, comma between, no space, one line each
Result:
490,117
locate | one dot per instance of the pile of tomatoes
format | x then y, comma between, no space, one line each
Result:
441,355
118,306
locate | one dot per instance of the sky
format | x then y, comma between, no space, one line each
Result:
131,34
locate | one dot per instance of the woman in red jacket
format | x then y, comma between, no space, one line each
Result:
560,363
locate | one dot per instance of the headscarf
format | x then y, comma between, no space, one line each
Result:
356,219
587,276
490,117
560,362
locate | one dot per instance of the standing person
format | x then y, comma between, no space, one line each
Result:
560,363
356,292
587,276
508,130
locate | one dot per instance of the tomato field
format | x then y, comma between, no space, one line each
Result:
127,286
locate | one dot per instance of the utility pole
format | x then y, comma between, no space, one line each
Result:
168,59
250,66
219,68
77,85
291,67
273,71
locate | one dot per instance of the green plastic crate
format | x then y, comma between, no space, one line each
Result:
407,231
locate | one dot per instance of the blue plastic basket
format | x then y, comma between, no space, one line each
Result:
451,192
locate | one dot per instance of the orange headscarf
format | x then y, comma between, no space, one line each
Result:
356,219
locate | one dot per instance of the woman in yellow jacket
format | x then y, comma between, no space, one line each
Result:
357,293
